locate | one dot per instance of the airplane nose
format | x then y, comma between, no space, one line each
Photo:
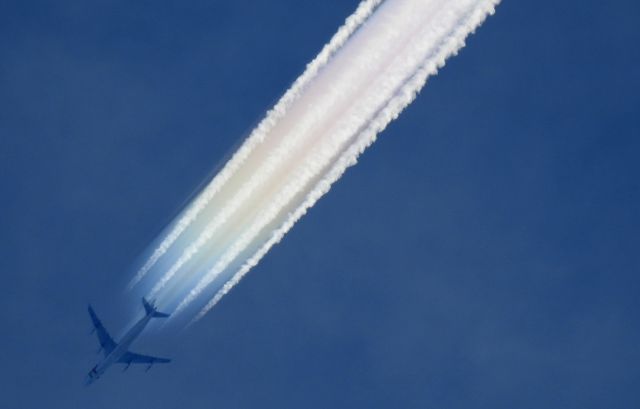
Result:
88,380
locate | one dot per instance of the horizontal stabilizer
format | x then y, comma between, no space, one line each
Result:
150,309
157,314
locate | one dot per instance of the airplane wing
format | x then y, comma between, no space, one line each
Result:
106,342
133,358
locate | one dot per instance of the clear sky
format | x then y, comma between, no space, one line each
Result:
483,253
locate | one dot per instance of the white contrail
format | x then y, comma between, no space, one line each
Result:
370,71
257,136
449,42
337,140
334,136
292,141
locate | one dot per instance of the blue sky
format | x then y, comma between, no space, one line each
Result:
482,254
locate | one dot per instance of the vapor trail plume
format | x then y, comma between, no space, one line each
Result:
359,83
449,46
279,110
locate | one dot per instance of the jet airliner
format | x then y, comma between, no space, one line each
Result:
117,352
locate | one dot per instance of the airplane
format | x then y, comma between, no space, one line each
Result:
117,353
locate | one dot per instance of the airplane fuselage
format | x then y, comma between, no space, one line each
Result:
120,349
118,352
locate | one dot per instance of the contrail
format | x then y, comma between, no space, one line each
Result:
363,78
278,111
450,44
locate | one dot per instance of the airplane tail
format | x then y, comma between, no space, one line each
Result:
151,309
